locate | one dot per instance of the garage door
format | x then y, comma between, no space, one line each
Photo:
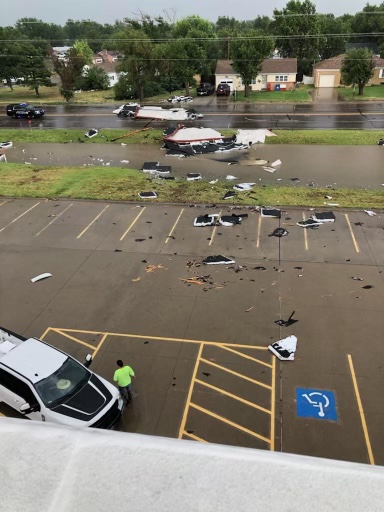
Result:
327,81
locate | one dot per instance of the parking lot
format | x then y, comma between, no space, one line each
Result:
119,289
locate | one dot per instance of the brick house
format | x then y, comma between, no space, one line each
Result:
274,72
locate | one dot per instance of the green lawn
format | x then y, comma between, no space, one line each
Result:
154,136
300,94
113,183
371,93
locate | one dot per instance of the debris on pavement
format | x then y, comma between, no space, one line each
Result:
324,217
199,280
309,223
148,195
286,323
260,268
249,309
357,278
230,177
229,195
367,287
6,145
136,280
332,204
205,220
279,232
218,260
231,220
41,277
269,169
152,268
284,349
370,213
276,162
271,212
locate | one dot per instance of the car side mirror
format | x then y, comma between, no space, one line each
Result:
27,409
88,361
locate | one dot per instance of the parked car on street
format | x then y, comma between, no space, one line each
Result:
223,90
24,110
205,89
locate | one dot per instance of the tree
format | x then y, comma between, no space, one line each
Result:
196,39
357,68
137,50
331,45
248,53
36,73
93,78
296,27
82,48
69,70
371,25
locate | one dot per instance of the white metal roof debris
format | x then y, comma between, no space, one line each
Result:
253,136
41,277
184,134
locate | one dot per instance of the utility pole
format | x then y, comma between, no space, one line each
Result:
229,47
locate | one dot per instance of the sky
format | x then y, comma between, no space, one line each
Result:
102,11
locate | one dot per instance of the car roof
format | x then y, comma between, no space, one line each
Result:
34,359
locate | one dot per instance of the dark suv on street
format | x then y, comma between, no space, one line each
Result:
223,90
24,110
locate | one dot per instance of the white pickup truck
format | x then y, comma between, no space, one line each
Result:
45,384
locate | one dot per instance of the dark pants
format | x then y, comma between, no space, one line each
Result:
125,392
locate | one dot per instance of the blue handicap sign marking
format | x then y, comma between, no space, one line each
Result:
316,403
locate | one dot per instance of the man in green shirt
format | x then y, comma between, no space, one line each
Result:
123,376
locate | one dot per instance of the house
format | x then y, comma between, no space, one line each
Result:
274,72
110,69
327,73
105,56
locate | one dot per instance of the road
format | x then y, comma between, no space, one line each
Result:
219,113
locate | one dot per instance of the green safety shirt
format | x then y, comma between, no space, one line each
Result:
123,376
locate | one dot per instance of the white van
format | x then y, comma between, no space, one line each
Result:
45,384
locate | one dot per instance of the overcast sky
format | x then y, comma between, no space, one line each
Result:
102,11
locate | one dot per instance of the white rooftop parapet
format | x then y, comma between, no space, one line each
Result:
59,469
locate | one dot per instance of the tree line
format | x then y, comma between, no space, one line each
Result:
163,54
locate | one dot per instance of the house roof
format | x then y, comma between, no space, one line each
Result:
224,67
332,63
337,62
108,67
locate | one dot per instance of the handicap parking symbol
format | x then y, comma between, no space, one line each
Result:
316,403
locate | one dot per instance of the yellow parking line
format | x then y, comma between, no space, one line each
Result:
214,230
305,235
245,356
94,220
45,333
235,373
189,396
258,231
19,217
361,411
352,233
99,345
174,226
162,338
193,436
273,398
235,397
132,224
229,422
59,331
54,220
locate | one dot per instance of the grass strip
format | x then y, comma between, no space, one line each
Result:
155,136
117,184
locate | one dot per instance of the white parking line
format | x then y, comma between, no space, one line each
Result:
174,226
258,231
19,217
94,220
132,224
305,235
53,220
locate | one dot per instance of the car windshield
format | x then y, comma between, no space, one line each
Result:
70,377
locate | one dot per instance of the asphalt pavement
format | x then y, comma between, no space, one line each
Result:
120,289
222,113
